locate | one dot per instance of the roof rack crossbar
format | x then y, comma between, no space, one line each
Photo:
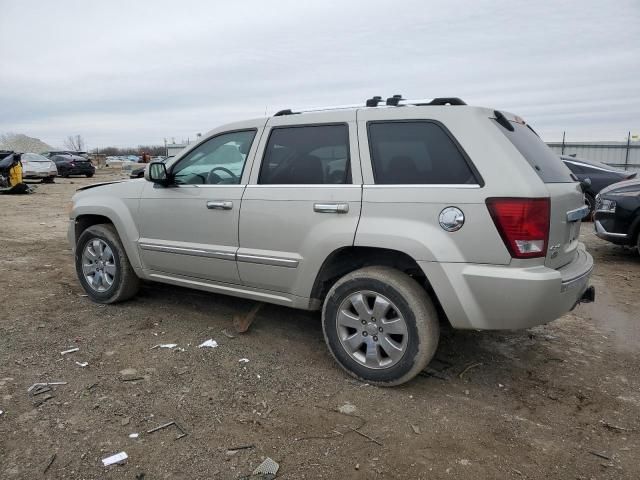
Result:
394,101
435,101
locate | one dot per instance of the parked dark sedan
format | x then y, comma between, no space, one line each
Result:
73,165
617,217
601,176
139,172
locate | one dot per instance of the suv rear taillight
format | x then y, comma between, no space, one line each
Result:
523,224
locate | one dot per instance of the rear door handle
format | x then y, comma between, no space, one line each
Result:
219,205
331,207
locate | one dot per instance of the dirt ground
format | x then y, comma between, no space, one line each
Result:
557,401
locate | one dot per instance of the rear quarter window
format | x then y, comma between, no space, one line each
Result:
549,167
418,153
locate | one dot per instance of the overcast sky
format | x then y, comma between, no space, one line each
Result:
134,72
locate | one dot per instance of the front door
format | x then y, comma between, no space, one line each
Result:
302,202
191,228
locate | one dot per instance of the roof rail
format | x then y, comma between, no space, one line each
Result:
394,101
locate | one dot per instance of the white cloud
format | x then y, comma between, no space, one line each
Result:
128,73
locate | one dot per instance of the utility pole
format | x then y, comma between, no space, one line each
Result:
626,160
563,134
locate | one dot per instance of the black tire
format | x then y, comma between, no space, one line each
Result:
411,301
126,283
89,175
48,180
590,202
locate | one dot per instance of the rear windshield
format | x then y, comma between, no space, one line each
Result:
549,167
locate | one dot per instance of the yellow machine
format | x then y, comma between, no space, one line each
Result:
11,174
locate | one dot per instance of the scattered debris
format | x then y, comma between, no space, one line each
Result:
232,450
242,322
464,461
366,436
125,421
40,389
182,432
268,467
473,365
347,408
131,379
430,372
211,343
227,334
165,345
71,350
83,295
357,467
50,462
117,459
416,429
614,427
39,401
1,412
244,360
601,455
82,364
134,435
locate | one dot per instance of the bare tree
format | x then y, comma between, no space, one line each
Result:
75,143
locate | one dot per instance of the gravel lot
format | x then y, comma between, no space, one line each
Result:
557,401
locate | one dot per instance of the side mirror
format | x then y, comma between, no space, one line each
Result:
156,172
585,184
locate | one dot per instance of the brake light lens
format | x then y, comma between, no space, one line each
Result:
523,224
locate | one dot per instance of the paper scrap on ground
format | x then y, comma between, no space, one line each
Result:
71,350
211,343
1,412
115,459
134,435
82,364
268,467
244,360
165,345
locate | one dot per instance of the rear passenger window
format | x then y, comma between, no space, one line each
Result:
308,155
416,153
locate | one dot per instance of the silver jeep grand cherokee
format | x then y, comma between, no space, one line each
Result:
389,217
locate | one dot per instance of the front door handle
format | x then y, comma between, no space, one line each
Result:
219,205
331,207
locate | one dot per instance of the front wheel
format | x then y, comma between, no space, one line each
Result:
103,267
380,325
89,175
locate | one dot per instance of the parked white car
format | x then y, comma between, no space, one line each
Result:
390,219
37,167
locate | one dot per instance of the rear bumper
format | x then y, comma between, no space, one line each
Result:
30,175
492,297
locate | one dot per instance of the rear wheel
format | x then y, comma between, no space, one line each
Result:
89,175
380,325
48,180
102,266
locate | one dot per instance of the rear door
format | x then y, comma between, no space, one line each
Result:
565,193
302,202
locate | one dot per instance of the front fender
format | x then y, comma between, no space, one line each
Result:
121,212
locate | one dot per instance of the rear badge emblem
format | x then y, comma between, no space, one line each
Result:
451,219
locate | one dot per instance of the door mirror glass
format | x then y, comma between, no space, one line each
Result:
156,172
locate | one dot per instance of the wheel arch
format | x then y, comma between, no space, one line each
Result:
123,224
345,260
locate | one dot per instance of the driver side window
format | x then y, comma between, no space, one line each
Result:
218,161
